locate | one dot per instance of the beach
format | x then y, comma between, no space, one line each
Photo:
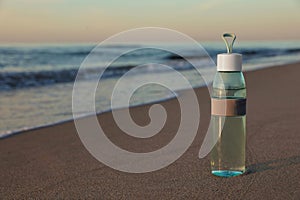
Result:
52,163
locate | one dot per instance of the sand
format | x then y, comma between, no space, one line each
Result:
52,163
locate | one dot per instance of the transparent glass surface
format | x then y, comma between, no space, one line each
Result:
228,154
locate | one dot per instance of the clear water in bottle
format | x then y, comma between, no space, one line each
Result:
228,154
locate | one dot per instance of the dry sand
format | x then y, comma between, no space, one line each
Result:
51,162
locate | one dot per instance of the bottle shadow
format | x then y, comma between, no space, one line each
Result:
273,164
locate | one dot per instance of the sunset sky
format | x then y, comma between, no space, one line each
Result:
23,21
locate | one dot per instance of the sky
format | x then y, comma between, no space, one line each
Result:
54,21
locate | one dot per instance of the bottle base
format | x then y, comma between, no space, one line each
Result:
226,173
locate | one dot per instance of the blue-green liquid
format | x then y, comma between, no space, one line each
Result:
228,155
226,173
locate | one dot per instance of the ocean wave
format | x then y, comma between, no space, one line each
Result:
31,67
15,80
294,50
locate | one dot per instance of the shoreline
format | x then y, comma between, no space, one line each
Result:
10,133
3,136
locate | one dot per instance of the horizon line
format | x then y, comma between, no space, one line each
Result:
134,42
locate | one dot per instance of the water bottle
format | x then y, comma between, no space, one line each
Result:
228,114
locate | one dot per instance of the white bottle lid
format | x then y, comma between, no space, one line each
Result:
229,61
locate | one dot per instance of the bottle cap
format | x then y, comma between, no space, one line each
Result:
229,61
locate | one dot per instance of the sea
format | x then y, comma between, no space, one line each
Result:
36,80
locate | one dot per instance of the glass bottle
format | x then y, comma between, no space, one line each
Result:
228,116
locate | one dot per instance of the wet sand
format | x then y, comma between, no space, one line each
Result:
52,163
